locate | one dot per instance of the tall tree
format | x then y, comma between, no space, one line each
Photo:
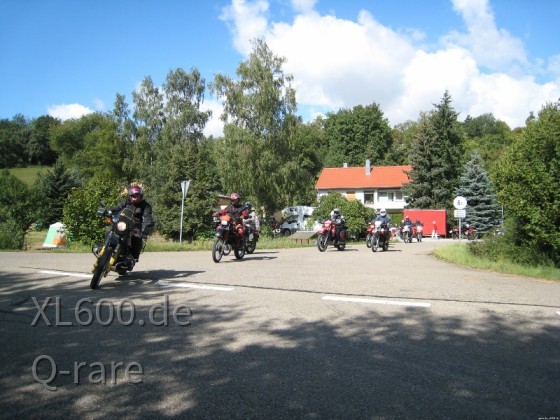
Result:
14,137
260,122
436,158
528,176
483,210
178,156
356,135
39,148
52,189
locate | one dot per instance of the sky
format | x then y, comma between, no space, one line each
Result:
67,58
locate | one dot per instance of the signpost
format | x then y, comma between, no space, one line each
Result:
184,189
460,204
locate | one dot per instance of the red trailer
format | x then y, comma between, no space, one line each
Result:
427,218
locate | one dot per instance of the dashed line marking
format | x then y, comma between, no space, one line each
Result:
64,273
194,286
377,301
558,313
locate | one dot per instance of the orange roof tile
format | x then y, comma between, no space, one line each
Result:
355,177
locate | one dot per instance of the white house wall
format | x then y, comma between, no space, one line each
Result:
359,195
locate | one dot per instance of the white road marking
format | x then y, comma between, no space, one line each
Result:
558,313
63,273
377,301
194,286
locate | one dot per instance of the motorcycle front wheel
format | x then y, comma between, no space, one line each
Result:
239,252
368,240
100,268
374,244
218,249
322,243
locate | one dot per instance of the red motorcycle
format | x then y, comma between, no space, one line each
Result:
332,232
417,232
370,231
229,233
380,237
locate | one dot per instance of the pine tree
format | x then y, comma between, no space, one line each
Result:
483,210
436,157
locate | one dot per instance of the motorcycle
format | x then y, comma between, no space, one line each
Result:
229,232
417,232
380,238
406,234
369,232
114,254
251,239
454,233
331,232
216,222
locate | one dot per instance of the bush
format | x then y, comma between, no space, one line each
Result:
80,209
11,235
354,212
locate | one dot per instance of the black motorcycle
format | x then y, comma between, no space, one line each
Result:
114,254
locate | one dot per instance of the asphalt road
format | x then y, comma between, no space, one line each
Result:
289,333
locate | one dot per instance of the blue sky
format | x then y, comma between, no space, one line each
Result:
67,57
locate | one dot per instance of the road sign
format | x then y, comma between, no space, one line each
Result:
460,214
460,203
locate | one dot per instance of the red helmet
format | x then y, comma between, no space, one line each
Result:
135,194
234,198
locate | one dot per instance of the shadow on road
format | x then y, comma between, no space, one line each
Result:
232,363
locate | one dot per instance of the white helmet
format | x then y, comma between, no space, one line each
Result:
382,212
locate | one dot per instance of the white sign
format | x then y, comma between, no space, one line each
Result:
185,187
460,214
460,203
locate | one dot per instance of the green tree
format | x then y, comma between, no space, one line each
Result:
487,135
80,217
528,176
483,211
356,135
178,155
52,189
260,122
14,137
402,136
17,201
39,148
436,158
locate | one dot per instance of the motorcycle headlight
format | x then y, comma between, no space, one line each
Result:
121,226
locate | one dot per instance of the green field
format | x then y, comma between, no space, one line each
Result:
29,174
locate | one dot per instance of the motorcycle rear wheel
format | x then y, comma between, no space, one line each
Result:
341,246
227,249
322,243
251,246
218,249
100,268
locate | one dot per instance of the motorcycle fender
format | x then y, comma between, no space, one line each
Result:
113,239
219,233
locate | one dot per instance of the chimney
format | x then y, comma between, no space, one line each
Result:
345,165
368,167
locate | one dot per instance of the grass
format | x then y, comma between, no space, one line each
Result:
458,254
34,242
29,174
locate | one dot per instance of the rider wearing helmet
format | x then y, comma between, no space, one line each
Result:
143,218
383,217
235,208
340,224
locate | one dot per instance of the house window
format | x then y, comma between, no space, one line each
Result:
350,195
386,196
368,197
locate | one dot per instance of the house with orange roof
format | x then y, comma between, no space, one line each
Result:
375,186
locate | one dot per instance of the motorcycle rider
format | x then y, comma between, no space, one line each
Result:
407,222
235,208
252,219
340,224
143,218
383,217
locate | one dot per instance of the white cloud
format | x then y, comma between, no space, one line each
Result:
215,126
68,111
340,63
